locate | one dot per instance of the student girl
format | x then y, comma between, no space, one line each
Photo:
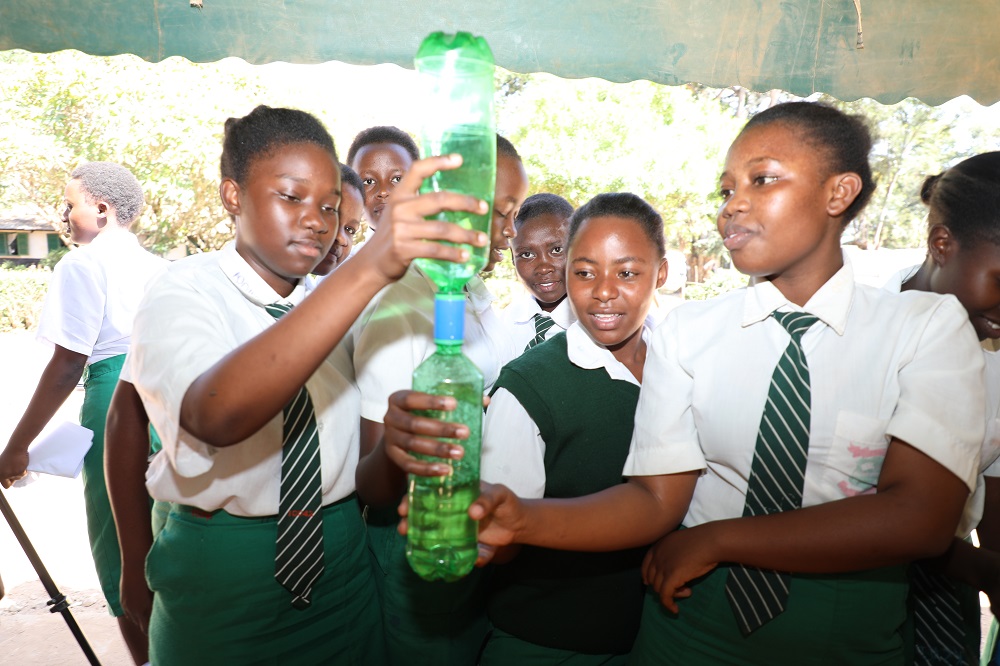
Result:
258,412
826,457
381,155
963,259
539,252
87,317
352,210
425,622
559,425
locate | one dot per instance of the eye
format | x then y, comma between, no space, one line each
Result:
368,182
350,231
502,215
527,254
288,197
395,180
725,193
331,210
556,250
764,180
627,275
583,273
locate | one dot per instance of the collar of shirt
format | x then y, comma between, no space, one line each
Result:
252,285
525,307
831,303
113,239
585,353
899,278
479,295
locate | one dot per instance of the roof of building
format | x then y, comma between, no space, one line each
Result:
26,223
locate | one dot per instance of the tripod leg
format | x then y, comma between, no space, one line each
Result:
57,600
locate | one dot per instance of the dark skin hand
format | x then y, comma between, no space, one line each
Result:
59,378
126,452
386,447
249,386
853,534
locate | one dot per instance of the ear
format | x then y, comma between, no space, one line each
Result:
845,188
941,245
661,274
229,191
105,214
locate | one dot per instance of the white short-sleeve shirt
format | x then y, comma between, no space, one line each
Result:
513,449
395,334
519,318
990,449
94,293
882,365
202,308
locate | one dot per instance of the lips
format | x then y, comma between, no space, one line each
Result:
990,328
605,321
735,236
547,287
377,210
308,247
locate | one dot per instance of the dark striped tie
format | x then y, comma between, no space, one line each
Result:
298,561
543,323
939,631
777,474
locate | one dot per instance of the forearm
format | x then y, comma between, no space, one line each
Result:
249,386
852,534
978,568
59,378
628,515
126,450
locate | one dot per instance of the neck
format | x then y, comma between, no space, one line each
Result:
631,352
549,307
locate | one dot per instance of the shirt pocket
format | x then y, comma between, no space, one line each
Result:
859,446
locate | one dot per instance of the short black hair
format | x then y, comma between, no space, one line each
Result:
625,205
844,139
383,134
544,203
349,176
966,199
262,131
505,147
114,184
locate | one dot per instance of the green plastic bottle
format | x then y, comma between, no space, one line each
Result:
442,539
456,80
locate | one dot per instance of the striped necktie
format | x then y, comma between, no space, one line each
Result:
777,474
938,627
298,561
543,323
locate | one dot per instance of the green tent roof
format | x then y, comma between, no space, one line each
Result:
930,49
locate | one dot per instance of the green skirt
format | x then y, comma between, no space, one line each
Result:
432,623
831,620
99,380
216,600
503,649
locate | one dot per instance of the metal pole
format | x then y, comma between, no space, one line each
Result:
57,600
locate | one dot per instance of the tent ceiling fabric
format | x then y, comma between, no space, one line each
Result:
930,49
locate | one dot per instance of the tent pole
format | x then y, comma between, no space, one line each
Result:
57,600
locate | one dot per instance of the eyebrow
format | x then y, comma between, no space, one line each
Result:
756,160
622,260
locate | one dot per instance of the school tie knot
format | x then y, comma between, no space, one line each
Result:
796,323
543,323
278,310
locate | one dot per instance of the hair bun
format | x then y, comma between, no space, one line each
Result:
927,189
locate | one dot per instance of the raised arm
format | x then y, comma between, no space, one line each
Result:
243,391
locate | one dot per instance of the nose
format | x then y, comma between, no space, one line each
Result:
605,288
313,218
736,202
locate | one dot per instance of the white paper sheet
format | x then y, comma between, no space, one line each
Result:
60,451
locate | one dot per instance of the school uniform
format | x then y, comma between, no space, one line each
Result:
519,317
212,566
882,365
89,308
965,598
559,425
426,622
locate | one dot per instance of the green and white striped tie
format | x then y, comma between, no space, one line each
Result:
543,323
298,561
777,474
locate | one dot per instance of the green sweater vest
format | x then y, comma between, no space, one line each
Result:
583,602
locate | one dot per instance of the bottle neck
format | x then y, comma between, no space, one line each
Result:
449,322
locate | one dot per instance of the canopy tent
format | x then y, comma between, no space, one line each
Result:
888,50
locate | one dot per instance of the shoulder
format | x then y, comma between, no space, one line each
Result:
722,309
541,360
908,305
194,272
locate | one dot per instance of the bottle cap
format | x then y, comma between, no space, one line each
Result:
449,317
464,44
